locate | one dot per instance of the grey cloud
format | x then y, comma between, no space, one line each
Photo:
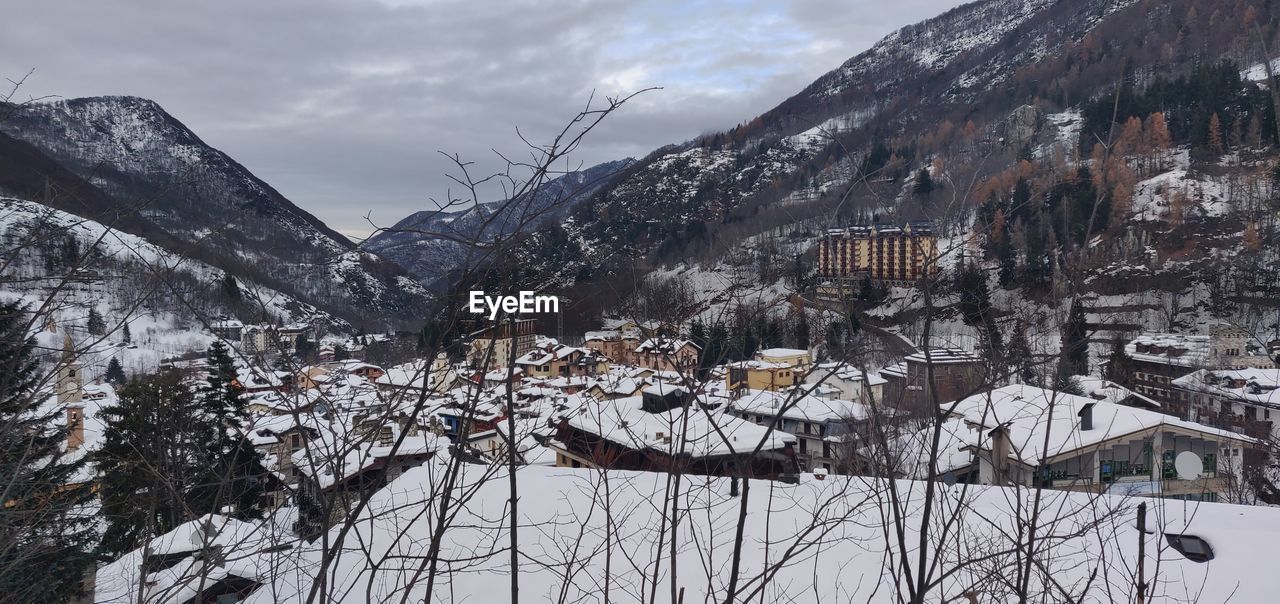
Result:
343,105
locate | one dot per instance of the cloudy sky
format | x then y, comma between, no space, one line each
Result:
343,106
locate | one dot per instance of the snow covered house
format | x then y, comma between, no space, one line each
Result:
1032,436
754,374
667,354
1245,400
1094,539
797,358
210,559
824,428
1156,359
848,382
557,360
620,434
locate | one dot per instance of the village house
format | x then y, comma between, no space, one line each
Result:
557,360
620,434
1243,400
956,374
1096,446
265,338
667,354
1157,359
796,358
613,345
759,375
847,382
614,386
415,377
824,428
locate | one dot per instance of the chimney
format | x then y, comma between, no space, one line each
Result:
999,453
1086,417
75,427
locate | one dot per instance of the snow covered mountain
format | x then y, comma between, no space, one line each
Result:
143,171
966,98
76,269
416,242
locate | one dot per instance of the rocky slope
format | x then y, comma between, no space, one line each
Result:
142,170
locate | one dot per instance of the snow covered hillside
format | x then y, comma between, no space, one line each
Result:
71,266
160,181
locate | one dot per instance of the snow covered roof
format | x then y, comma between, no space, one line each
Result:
1257,386
897,370
781,353
345,450
847,372
1028,413
240,549
805,408
665,345
911,450
1171,349
941,356
392,535
757,364
707,433
1111,392
604,334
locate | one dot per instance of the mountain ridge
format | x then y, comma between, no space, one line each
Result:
146,170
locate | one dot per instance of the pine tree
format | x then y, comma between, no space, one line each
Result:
153,457
235,468
924,183
115,372
1119,364
47,544
1075,345
96,325
230,288
125,335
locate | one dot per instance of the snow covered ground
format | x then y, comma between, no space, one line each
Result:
815,541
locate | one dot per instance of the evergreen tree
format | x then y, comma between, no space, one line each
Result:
230,288
235,468
152,457
47,542
125,335
115,372
306,349
1119,364
1075,346
96,325
924,183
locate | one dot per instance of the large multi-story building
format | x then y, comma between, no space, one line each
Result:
885,253
491,347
